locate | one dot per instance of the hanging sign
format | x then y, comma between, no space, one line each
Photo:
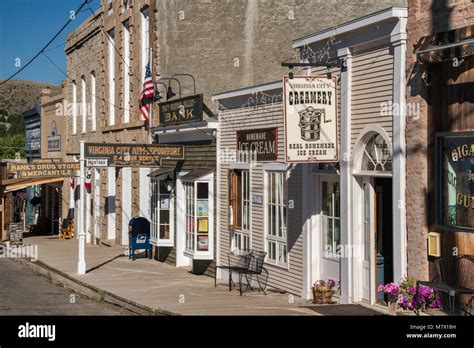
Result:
133,154
310,119
43,170
97,162
185,110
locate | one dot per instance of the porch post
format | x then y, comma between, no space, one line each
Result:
346,273
81,263
399,153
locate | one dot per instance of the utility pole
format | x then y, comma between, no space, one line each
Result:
81,263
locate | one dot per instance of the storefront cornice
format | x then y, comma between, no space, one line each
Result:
377,17
248,91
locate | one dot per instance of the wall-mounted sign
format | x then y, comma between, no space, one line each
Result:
41,170
33,138
54,140
310,119
133,154
97,162
185,110
456,180
257,199
263,142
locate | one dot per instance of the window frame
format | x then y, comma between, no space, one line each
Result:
196,254
333,255
155,200
439,137
241,234
269,238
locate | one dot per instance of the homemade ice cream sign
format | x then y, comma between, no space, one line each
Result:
133,154
310,119
262,142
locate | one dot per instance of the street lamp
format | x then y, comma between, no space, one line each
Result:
170,94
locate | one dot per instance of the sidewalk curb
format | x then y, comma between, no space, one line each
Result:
65,280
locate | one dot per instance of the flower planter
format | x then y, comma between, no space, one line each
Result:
392,307
322,297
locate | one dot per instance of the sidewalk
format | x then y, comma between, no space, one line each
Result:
165,288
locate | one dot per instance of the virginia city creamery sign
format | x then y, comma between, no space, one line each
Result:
189,109
42,170
133,154
310,120
262,142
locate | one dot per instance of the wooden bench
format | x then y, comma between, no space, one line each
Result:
455,277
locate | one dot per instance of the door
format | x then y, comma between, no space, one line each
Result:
368,240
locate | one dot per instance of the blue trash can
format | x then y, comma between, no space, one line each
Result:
139,237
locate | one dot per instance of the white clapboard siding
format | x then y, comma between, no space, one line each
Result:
263,116
372,85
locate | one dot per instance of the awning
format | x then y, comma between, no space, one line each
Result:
161,171
197,174
456,43
8,185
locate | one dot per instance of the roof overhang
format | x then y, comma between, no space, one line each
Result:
456,43
9,185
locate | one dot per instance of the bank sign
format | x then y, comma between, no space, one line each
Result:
185,110
310,119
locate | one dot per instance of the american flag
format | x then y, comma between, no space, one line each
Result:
147,95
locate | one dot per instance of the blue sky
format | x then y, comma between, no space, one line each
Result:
26,26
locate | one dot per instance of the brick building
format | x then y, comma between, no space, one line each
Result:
439,80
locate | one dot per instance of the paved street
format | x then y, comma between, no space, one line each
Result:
23,292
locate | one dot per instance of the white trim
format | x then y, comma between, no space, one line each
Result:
346,268
111,192
276,167
74,107
399,158
144,192
84,104
126,71
126,202
384,15
162,242
111,77
97,210
93,103
248,90
181,259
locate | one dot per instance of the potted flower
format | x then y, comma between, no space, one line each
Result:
391,291
323,291
426,298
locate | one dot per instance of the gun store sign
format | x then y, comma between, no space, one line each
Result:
44,170
189,109
310,119
133,154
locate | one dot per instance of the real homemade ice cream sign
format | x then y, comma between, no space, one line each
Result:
310,119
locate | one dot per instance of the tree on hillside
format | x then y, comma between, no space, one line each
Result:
10,145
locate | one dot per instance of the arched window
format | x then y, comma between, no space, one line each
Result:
376,156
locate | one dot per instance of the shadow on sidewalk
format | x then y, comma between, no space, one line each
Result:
104,263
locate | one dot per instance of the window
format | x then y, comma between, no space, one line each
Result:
276,207
74,108
377,157
455,184
93,104
125,5
145,39
126,72
239,208
111,78
331,216
84,105
161,214
198,210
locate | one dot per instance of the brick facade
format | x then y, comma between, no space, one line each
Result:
425,18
